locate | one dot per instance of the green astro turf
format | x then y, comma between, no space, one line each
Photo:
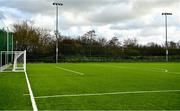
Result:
95,79
48,80
12,88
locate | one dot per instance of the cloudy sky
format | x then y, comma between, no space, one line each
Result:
140,19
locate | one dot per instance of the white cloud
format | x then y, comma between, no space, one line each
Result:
44,21
124,18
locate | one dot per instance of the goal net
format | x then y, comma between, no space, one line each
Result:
13,61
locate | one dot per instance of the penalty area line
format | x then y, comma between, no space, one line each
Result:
79,73
101,94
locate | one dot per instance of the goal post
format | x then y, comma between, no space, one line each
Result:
19,61
13,61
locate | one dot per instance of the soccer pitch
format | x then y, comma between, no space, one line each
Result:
93,86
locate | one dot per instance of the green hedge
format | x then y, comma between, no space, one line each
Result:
107,59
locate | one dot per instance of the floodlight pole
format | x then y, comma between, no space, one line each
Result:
166,32
57,30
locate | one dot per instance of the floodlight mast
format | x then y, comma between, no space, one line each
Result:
166,32
57,30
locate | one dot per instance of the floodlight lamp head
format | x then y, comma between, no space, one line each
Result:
166,13
60,4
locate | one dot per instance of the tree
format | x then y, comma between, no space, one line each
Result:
114,42
38,42
130,42
172,45
40,45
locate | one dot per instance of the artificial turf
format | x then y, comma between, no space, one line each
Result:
12,88
49,80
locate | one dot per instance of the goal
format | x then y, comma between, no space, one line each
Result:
13,61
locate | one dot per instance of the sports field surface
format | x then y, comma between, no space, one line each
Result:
93,86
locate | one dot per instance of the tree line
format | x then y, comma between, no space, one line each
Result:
40,46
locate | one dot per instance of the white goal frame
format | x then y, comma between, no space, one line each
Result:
13,65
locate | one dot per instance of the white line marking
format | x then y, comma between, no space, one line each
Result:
101,94
174,73
70,70
25,94
163,70
31,94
